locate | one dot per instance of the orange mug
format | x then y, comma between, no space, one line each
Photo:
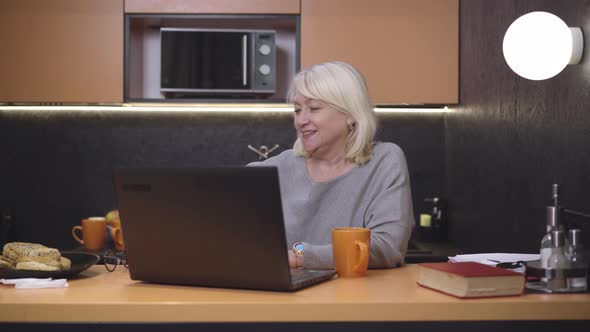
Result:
116,232
93,233
350,247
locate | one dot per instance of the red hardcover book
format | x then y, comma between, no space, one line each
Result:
470,279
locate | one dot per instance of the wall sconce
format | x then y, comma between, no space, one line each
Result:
539,45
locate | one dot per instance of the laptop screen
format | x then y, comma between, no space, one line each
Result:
218,227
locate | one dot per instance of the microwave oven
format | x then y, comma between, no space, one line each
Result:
217,62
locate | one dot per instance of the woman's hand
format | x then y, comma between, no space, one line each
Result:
294,260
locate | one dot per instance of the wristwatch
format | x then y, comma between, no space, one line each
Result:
298,249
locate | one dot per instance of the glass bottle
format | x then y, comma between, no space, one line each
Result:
547,241
577,280
557,263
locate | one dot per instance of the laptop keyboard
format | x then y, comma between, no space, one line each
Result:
301,278
298,275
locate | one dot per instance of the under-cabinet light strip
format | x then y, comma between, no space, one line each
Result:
200,108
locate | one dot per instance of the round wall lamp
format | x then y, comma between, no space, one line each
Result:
539,45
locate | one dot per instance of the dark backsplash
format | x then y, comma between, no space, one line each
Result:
56,167
512,138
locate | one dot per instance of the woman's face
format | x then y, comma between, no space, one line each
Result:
323,130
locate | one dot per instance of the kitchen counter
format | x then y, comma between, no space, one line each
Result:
383,296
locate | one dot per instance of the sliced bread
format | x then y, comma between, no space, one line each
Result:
43,260
35,266
64,263
6,263
14,250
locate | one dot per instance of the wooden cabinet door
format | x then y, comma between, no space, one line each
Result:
68,51
213,6
408,50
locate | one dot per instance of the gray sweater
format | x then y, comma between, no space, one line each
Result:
376,195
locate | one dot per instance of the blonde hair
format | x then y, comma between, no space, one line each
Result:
344,88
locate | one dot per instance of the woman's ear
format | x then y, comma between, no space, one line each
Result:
351,124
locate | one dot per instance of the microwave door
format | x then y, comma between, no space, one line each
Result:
228,66
218,62
208,62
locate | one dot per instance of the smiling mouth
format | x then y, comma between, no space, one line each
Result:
307,133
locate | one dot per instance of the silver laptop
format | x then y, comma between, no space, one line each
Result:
215,227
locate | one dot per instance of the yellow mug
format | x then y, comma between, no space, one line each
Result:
116,233
350,247
93,233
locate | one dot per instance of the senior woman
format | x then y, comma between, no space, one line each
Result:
336,175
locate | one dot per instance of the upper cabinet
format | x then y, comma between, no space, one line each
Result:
408,50
68,51
73,51
212,7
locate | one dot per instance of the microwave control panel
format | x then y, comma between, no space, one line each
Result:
264,64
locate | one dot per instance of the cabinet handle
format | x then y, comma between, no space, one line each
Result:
244,60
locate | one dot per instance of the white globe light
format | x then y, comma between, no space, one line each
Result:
539,45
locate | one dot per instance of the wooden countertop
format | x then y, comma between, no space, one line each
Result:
384,295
